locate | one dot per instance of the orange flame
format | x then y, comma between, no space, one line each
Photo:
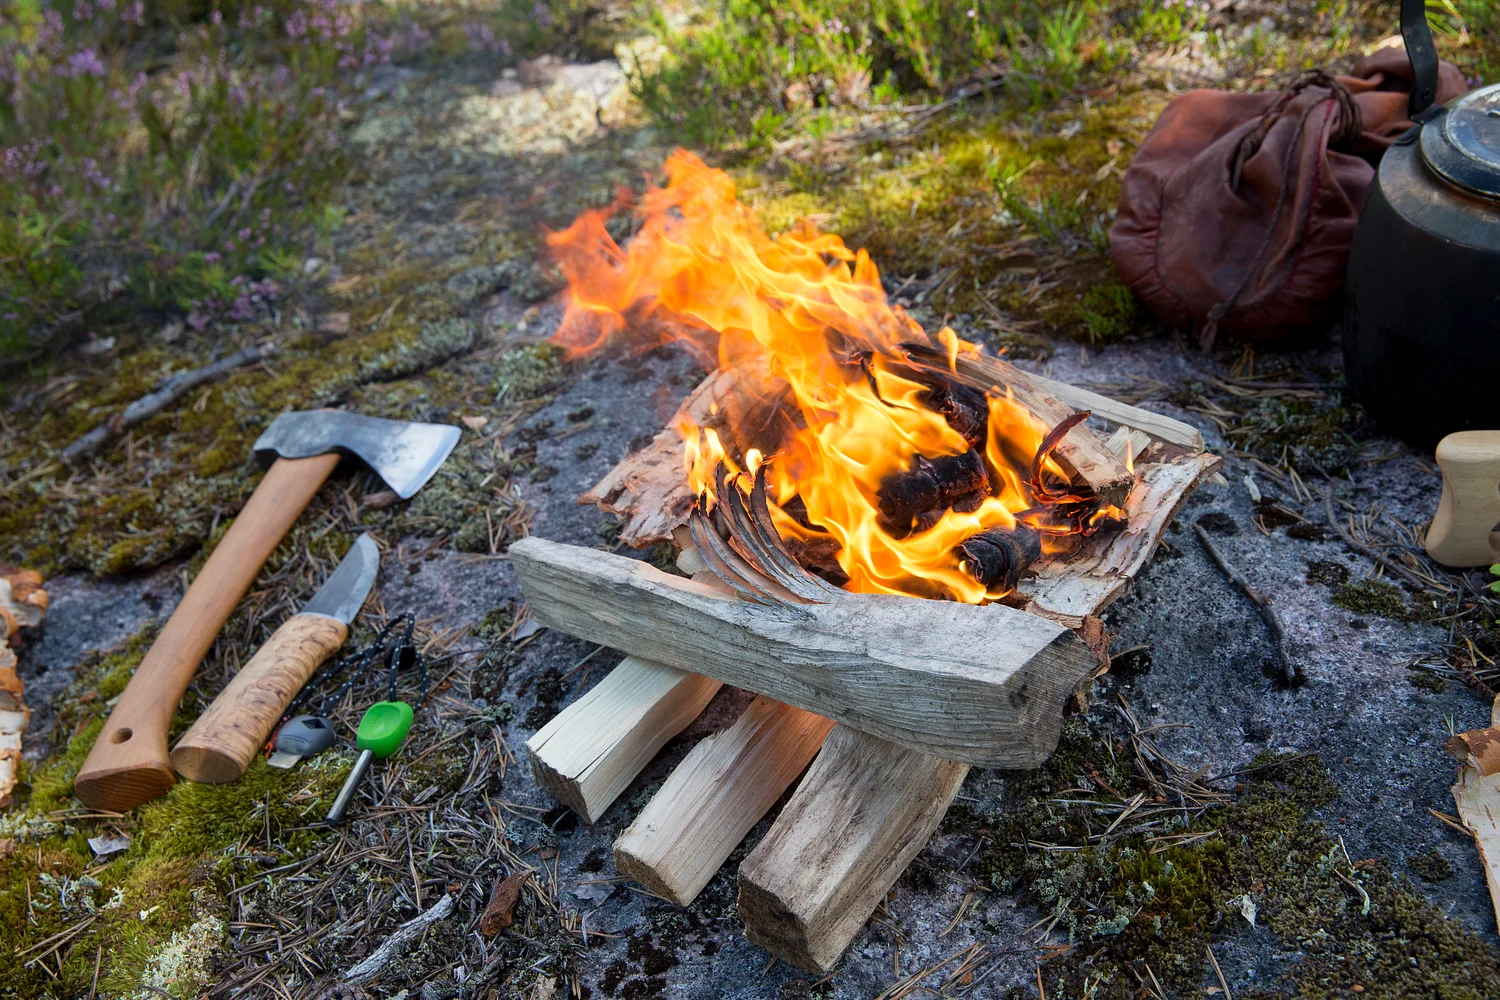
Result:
812,313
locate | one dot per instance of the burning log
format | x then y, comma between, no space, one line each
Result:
998,557
934,484
1080,449
966,409
980,684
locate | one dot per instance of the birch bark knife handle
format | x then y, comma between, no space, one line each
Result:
128,763
226,737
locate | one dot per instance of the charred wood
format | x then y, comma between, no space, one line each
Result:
966,410
933,484
997,558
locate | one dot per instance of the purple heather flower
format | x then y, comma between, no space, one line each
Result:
85,62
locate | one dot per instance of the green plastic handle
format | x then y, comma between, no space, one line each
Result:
384,726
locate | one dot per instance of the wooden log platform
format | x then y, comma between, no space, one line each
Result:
592,749
719,791
829,859
985,685
863,812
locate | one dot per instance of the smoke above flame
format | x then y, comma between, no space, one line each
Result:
827,401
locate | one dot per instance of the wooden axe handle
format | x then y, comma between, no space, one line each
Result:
128,764
227,737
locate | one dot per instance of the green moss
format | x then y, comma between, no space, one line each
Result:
1429,866
266,804
1427,681
52,782
1108,312
1376,597
432,343
158,907
1330,574
1314,432
1159,901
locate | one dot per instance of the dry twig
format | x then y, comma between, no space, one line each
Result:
168,391
1289,670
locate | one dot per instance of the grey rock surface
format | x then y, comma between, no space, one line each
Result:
1380,736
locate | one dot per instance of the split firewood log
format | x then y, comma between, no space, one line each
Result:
984,685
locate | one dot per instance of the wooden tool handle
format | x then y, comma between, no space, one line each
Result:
128,764
1462,530
225,738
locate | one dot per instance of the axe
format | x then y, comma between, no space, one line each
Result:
128,764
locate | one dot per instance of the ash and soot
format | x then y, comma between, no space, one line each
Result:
915,483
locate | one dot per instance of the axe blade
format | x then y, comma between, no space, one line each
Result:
404,454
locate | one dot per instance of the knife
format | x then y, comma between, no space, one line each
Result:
221,744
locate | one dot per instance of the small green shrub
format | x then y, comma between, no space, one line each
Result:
1469,31
740,74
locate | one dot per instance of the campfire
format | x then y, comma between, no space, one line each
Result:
836,462
878,463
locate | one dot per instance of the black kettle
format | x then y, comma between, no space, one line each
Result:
1421,324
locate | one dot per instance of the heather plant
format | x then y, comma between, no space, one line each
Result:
142,164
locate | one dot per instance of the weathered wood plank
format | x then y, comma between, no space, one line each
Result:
984,685
719,791
862,813
592,749
1163,428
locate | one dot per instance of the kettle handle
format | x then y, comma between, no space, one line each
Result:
1422,53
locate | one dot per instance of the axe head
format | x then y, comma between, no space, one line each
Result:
403,454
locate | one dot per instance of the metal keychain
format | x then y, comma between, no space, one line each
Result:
305,729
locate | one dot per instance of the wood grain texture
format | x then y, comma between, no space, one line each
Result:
1163,428
1084,581
1081,449
234,728
1068,588
862,813
720,790
1462,532
1478,801
594,748
128,764
984,685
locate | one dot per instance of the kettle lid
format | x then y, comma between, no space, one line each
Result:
1463,145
